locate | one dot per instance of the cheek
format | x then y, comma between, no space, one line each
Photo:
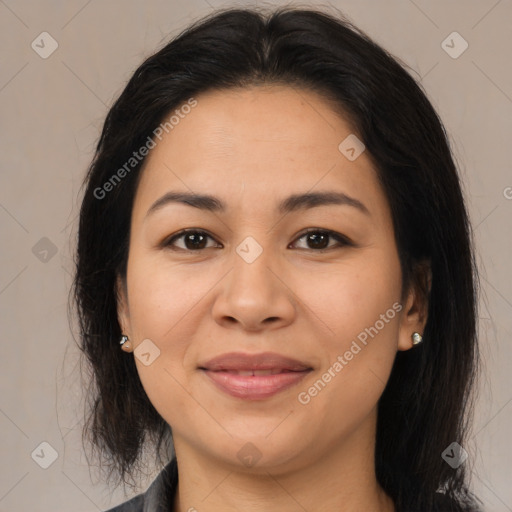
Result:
164,308
359,356
359,308
347,298
164,300
168,305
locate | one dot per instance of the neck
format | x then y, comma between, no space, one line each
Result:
341,479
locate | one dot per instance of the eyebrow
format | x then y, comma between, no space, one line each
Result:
290,204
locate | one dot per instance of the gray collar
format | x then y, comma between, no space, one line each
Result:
159,496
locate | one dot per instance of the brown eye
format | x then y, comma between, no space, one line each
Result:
317,239
192,240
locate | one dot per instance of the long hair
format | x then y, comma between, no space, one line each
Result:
427,402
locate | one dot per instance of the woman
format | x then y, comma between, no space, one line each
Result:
274,233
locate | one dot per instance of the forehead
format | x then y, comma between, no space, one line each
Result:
261,139
278,115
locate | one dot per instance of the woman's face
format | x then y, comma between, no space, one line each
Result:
251,280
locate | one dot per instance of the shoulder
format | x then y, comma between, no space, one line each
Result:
159,496
136,504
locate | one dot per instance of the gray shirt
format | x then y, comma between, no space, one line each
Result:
159,497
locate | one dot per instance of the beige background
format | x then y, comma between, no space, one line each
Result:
51,113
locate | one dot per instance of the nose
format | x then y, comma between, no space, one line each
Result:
255,296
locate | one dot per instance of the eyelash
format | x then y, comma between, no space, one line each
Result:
341,239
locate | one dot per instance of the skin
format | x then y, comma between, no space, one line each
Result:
252,148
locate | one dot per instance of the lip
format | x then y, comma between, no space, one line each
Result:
224,372
255,387
239,361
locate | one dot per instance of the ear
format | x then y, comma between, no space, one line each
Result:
123,315
415,312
